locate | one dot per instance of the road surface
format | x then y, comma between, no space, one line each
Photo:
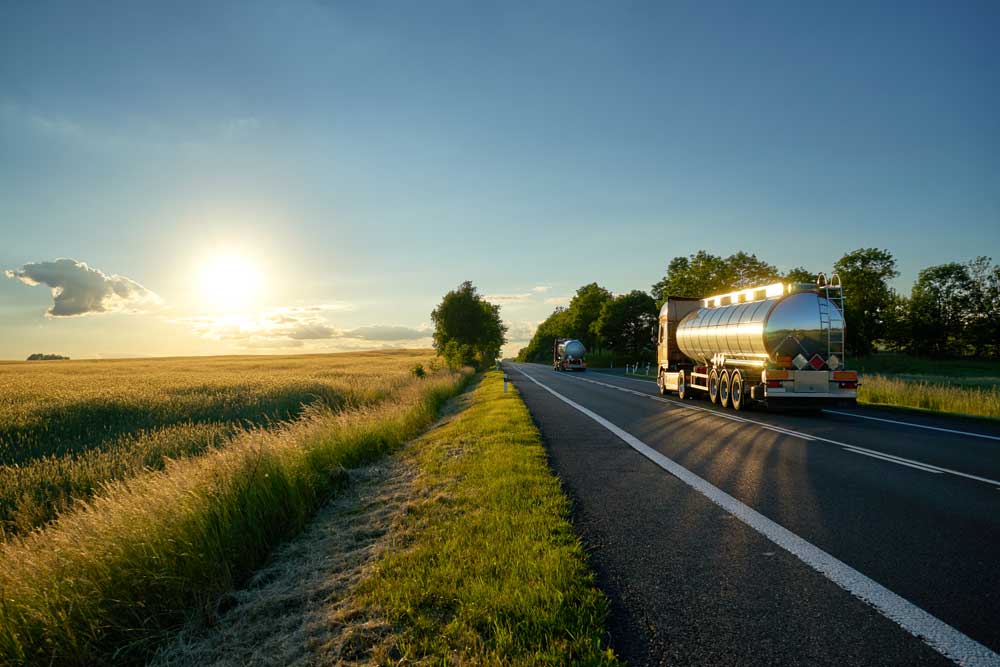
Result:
853,537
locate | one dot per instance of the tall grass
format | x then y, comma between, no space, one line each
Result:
66,407
957,399
108,579
68,428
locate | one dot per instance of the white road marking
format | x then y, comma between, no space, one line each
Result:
886,458
929,428
798,434
940,636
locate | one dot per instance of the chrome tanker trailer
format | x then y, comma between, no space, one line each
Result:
568,355
779,345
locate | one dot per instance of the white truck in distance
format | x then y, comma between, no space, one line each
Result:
781,345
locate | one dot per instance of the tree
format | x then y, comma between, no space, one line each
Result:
467,328
800,274
703,274
940,308
556,325
983,327
628,324
584,310
865,274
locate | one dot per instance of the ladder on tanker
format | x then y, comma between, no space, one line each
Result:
833,292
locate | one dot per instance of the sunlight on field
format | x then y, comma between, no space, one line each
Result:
108,577
68,427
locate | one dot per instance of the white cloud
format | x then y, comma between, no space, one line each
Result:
538,289
558,300
520,331
294,327
383,332
78,289
508,298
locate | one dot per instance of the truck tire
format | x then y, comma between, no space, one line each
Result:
737,397
660,384
713,386
682,389
724,392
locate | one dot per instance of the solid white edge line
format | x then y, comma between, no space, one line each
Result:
940,636
797,434
929,428
888,460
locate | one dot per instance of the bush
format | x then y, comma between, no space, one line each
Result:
418,371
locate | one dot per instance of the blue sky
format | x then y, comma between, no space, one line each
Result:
360,159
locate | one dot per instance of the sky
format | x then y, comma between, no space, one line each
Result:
282,177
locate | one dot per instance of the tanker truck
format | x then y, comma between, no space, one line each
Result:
781,345
567,355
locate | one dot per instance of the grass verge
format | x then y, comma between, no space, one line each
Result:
930,396
485,567
108,580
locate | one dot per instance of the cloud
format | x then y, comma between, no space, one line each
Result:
519,330
558,300
78,289
538,289
502,298
382,332
292,327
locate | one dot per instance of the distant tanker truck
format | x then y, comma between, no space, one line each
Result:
568,355
780,345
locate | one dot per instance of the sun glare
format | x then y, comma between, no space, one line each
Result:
229,282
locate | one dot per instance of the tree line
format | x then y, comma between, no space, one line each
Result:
953,309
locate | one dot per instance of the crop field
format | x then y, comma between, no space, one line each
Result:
160,483
67,427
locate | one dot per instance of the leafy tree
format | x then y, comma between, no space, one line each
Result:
584,310
940,306
865,274
703,274
467,328
628,323
556,325
800,274
983,326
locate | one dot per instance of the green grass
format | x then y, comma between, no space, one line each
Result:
68,428
974,401
488,570
113,576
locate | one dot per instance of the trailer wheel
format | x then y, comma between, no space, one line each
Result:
713,386
660,384
724,386
736,391
682,390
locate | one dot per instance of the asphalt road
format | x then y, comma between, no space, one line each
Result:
844,536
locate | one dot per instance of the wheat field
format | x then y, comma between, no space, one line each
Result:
119,529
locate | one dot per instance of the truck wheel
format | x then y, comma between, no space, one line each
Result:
713,386
736,391
682,390
660,384
724,393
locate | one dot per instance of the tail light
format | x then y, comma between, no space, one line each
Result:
774,384
848,385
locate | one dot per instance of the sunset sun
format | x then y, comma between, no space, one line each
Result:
228,282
